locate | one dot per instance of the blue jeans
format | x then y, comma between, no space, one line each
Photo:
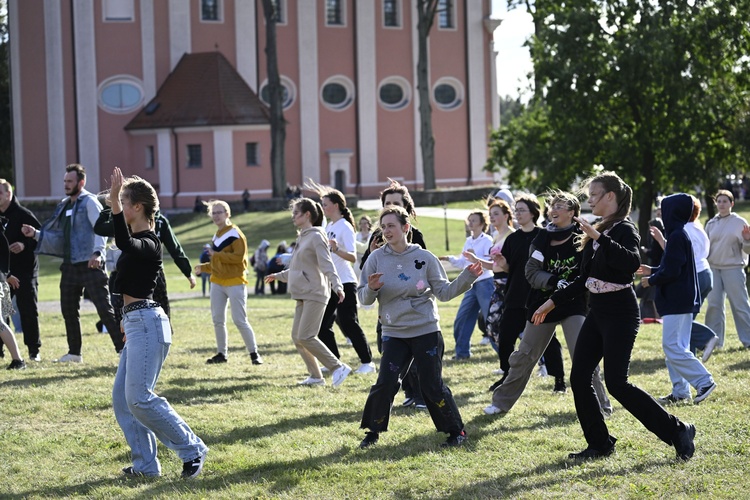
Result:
700,334
475,300
683,367
142,415
729,283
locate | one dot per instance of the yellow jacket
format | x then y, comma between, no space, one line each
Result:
229,262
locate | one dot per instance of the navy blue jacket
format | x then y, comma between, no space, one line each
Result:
675,279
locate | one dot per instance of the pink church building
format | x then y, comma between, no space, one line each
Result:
174,91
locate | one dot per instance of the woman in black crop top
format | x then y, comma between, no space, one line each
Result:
610,258
143,416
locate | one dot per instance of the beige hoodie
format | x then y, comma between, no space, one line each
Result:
311,273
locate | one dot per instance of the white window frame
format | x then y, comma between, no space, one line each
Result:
342,3
129,79
110,4
291,89
187,156
344,82
219,6
453,17
457,86
150,159
405,87
399,16
284,13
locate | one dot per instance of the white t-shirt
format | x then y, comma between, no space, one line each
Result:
701,245
343,233
481,246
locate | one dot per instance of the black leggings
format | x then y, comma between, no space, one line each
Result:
345,315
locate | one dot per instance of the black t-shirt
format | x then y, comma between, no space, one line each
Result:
564,261
516,252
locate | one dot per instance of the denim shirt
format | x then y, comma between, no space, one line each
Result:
84,242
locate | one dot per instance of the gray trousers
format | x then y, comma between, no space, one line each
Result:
522,362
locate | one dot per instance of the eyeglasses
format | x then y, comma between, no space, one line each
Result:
522,211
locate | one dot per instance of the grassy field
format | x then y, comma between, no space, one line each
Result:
272,439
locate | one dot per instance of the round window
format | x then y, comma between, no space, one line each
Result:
120,95
337,93
287,93
447,93
394,93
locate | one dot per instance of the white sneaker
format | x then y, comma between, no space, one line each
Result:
542,372
492,410
484,341
340,374
499,371
348,341
366,368
70,358
710,345
312,381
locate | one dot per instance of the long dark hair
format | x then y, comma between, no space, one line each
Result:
334,195
307,205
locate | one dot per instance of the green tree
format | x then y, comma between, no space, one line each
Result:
656,90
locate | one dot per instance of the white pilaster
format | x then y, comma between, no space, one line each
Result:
86,98
179,30
308,89
15,85
367,92
475,50
164,163
53,60
223,160
245,28
148,49
419,169
494,96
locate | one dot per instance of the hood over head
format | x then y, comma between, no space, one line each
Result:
676,210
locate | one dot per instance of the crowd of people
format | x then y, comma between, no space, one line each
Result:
520,277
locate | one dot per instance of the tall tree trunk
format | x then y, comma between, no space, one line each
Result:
276,98
426,15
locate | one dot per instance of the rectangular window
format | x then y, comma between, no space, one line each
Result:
194,156
149,157
334,13
280,11
211,10
445,14
390,14
118,10
252,154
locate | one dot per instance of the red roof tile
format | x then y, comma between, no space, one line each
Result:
202,90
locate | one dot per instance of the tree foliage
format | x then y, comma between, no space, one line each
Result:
657,90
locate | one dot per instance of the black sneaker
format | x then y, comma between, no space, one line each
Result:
17,364
560,386
257,360
592,453
193,468
408,401
672,400
684,442
370,439
455,440
704,392
131,472
419,404
219,358
498,383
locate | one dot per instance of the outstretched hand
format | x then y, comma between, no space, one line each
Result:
373,281
587,228
116,182
541,313
269,278
476,269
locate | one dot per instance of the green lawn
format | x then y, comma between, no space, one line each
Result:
272,439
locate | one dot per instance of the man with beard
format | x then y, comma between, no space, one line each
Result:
24,264
69,234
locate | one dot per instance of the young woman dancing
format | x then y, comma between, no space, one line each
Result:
405,280
311,276
610,258
143,416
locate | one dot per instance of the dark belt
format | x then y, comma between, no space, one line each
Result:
141,304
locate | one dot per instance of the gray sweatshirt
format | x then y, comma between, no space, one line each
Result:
728,248
411,281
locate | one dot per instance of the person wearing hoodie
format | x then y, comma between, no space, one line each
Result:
677,297
406,280
729,235
228,266
311,278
